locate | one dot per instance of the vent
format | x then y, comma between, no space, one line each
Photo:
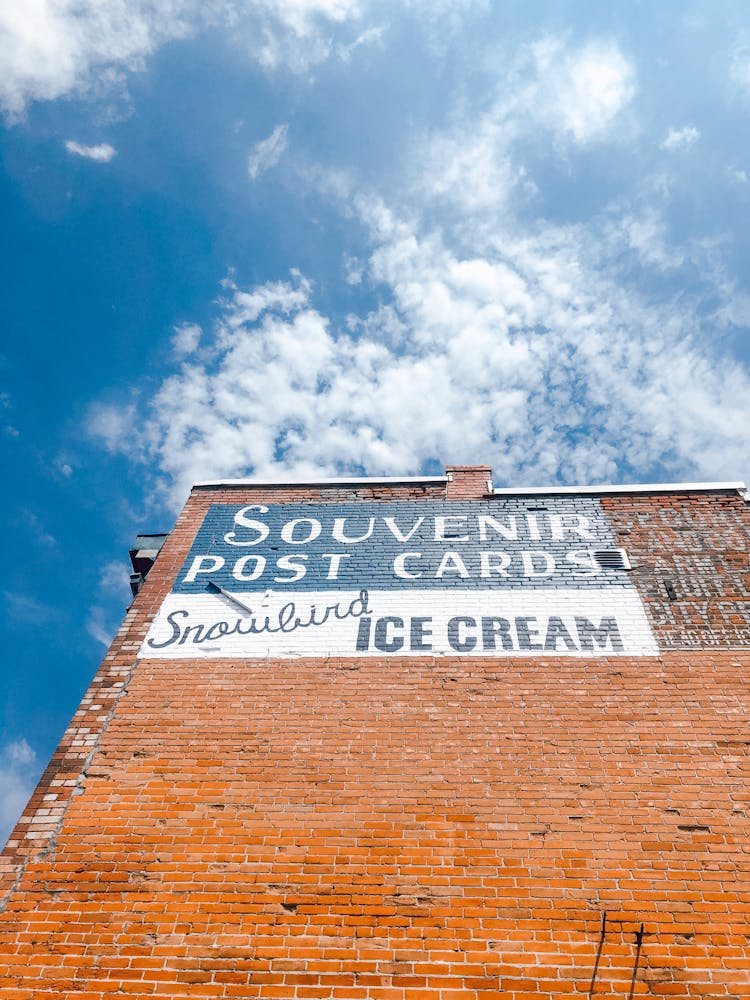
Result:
612,558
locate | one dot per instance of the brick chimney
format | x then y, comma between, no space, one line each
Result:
469,482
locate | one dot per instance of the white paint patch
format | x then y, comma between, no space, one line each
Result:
500,623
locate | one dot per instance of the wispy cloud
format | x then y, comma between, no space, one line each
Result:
23,609
99,626
739,70
102,153
19,771
37,529
678,139
114,578
368,37
737,175
267,153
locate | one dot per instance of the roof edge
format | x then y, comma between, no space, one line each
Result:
595,490
733,487
355,481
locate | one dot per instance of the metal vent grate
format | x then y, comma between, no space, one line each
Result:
612,558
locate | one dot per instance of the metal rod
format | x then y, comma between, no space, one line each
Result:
230,597
638,942
602,934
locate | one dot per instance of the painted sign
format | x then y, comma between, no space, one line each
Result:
498,577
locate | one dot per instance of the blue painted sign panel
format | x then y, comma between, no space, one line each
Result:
399,546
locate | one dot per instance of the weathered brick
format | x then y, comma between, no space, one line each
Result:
406,826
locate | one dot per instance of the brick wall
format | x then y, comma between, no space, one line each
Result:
690,564
405,827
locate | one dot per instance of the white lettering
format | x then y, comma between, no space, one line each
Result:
399,567
295,564
335,561
534,532
584,558
216,562
493,562
527,558
257,570
246,522
580,526
485,522
452,563
396,531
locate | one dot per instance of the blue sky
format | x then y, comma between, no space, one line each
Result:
339,236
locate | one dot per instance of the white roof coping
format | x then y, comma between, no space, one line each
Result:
357,481
627,488
603,488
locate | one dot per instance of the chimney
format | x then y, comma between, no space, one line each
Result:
469,482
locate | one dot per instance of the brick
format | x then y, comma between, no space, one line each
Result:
405,826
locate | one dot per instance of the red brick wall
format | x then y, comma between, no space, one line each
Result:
697,546
399,829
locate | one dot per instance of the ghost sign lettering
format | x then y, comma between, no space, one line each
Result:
497,578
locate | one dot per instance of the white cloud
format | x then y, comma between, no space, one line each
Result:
353,270
51,48
367,37
737,175
530,356
537,347
114,578
102,153
739,70
645,232
267,153
111,423
18,752
23,609
99,627
678,139
572,96
36,529
186,339
581,91
19,769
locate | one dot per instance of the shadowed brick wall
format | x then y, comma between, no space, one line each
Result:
403,828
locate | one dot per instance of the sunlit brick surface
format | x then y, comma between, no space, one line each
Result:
405,828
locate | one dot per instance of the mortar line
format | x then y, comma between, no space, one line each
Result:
51,843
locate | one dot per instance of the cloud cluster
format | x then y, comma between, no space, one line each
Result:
571,95
51,48
552,351
533,357
581,90
678,139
